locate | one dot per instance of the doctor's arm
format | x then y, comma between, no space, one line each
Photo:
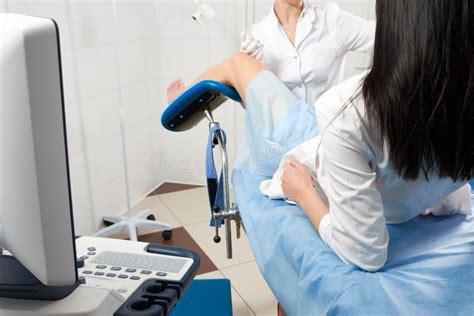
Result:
355,33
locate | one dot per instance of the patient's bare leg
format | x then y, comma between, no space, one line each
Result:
236,71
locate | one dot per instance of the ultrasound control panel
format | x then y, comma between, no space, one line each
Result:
150,278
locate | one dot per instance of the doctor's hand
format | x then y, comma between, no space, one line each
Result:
297,182
251,46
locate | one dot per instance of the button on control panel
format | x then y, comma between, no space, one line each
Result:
124,266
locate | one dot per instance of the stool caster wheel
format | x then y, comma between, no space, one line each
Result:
151,217
107,223
167,234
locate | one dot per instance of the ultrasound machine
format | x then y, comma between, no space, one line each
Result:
44,268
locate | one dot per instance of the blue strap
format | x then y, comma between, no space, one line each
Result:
214,183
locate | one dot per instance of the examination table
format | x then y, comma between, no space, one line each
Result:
430,267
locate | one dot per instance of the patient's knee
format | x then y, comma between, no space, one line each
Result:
239,59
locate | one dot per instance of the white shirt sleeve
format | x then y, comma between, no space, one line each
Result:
354,33
355,226
458,202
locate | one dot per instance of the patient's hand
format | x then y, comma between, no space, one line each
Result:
296,181
175,89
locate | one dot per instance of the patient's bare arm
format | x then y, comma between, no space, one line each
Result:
236,71
297,184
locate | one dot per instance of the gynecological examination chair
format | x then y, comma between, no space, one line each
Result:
430,267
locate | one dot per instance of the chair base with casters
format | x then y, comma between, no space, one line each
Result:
144,220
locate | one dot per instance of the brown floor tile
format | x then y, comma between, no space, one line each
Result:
182,239
169,187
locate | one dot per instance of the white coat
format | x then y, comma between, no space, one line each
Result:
315,63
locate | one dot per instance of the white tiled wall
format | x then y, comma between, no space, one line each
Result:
372,15
126,52
185,51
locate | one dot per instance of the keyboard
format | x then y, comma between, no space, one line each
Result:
147,262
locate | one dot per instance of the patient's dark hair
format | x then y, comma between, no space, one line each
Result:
419,92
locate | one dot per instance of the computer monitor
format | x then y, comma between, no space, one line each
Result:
36,223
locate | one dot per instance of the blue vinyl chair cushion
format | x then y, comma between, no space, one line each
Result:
188,109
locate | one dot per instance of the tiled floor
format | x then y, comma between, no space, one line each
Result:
186,208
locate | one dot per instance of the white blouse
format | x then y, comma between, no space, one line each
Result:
361,187
323,37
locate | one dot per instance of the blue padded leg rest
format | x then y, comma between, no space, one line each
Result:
188,109
206,297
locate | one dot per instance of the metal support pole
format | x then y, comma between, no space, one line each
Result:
227,214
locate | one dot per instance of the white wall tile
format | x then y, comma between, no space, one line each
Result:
84,219
220,50
168,19
92,22
96,70
136,104
355,64
111,199
91,170
174,20
222,26
183,58
372,15
92,121
3,6
70,79
357,7
17,6
139,60
152,55
57,10
140,160
132,62
136,19
226,116
180,166
187,142
262,9
157,92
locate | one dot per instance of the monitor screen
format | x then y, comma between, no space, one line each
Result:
36,223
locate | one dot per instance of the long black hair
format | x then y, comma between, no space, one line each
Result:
419,91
